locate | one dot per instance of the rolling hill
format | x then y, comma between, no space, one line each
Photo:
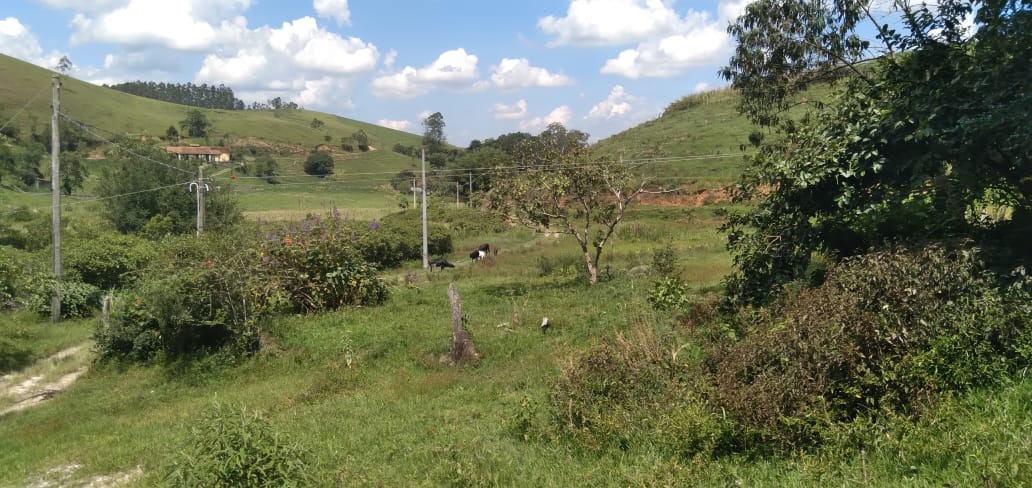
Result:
26,85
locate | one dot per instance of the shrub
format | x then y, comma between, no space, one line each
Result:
664,260
316,265
628,391
888,331
204,295
319,163
670,293
108,261
77,299
233,446
11,274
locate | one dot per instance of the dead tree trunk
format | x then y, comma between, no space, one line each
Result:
462,342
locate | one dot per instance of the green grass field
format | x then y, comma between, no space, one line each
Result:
364,391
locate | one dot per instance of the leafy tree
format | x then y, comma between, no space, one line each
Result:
171,133
73,172
319,163
146,184
195,124
317,124
925,138
266,167
472,165
361,139
433,131
557,186
20,162
64,65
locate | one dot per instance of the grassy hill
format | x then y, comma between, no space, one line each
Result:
120,113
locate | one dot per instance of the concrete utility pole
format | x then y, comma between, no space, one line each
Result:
201,188
426,258
471,188
55,193
457,187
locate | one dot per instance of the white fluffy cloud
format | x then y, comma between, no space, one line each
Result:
395,124
298,61
515,111
190,25
326,92
333,9
16,40
314,48
454,69
616,105
611,22
561,114
671,55
512,74
667,42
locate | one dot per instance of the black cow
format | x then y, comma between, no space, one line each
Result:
440,263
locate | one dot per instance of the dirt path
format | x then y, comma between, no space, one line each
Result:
41,381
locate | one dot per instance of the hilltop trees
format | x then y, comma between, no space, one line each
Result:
557,186
926,139
203,95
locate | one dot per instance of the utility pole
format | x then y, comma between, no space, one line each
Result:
471,188
457,187
414,192
55,193
426,259
201,188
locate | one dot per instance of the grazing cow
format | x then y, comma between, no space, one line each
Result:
440,263
480,252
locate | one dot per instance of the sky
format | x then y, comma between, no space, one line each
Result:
489,67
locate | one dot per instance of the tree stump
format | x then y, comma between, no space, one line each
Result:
462,342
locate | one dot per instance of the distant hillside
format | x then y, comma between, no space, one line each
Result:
699,139
125,114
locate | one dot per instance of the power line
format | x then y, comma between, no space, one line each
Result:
499,169
99,199
45,88
90,130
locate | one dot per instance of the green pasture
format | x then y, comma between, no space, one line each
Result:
365,393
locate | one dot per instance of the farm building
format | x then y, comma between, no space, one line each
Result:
211,154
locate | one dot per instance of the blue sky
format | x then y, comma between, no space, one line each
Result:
490,68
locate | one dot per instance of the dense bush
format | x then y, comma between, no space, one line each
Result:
11,274
889,331
670,293
232,446
203,295
77,299
108,261
319,163
626,391
318,265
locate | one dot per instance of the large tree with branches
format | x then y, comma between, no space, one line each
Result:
926,137
554,185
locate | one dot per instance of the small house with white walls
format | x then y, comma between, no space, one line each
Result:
210,154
